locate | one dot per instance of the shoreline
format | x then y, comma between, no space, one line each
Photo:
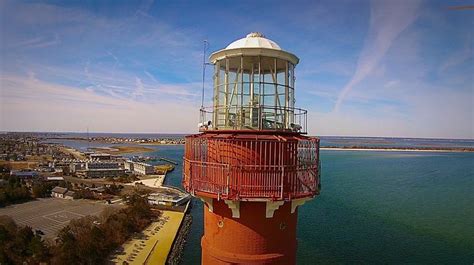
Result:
120,150
175,255
133,147
397,150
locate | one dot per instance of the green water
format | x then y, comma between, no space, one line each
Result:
391,207
382,207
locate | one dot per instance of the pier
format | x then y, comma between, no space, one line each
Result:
168,160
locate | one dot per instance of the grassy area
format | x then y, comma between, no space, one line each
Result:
163,169
19,165
118,150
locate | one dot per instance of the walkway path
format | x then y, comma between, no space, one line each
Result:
153,245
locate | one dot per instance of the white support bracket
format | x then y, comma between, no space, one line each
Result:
234,206
298,202
271,207
208,202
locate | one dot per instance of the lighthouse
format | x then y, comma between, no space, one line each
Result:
252,164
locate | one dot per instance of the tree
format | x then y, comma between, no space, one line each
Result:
19,245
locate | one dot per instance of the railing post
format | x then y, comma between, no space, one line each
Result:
282,181
226,168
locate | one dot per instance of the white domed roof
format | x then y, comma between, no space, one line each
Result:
254,40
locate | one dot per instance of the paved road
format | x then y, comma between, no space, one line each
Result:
51,214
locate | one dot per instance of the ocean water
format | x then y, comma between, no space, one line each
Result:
390,142
375,207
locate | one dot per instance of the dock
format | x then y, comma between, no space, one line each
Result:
168,160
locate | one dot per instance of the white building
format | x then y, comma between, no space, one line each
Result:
102,165
143,168
139,167
97,169
100,156
128,165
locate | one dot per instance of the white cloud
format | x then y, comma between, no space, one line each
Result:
457,58
388,19
40,106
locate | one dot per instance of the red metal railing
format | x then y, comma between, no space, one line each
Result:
254,118
279,168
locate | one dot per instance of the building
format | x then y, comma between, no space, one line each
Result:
24,174
171,197
100,169
70,195
101,165
143,168
77,166
139,167
53,178
100,156
128,165
101,173
252,165
58,192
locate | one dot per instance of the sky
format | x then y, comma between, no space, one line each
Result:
367,68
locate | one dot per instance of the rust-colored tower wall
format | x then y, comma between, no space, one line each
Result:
250,239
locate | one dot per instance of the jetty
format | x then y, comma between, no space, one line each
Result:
168,160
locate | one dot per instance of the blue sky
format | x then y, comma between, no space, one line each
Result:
367,68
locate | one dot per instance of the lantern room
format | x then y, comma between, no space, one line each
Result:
254,88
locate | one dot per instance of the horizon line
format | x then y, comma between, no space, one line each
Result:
181,133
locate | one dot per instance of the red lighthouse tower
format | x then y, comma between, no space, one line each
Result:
251,164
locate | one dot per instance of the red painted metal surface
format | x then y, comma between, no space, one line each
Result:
251,239
252,166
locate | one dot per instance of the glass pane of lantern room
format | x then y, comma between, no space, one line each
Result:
235,91
222,95
269,92
248,64
281,110
255,97
291,92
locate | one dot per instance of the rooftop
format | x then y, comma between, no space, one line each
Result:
254,40
60,190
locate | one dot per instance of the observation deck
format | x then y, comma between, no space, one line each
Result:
252,167
262,118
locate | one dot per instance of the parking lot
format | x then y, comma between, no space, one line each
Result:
51,214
